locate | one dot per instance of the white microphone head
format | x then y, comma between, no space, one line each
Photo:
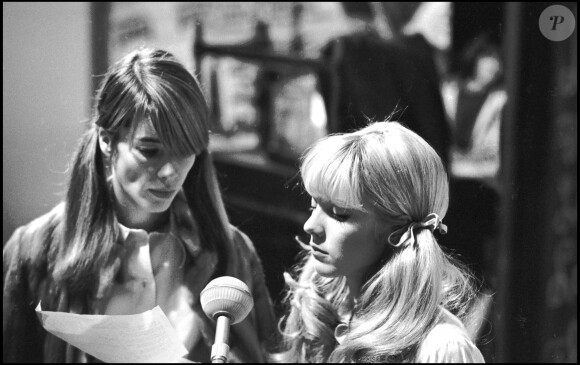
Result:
229,296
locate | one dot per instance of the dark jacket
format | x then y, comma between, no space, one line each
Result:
376,78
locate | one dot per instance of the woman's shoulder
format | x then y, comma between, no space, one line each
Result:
241,240
48,220
449,341
28,238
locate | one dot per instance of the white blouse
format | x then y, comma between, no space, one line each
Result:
152,273
448,342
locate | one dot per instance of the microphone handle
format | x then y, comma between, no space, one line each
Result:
220,348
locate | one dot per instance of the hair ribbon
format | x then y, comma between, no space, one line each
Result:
406,235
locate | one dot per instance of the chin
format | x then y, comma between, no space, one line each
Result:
157,207
326,270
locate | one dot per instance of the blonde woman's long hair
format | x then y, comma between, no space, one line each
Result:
392,170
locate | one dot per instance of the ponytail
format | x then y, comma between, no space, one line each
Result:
204,199
85,252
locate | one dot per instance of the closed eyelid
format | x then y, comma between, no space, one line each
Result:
340,210
340,214
149,151
148,139
140,146
148,144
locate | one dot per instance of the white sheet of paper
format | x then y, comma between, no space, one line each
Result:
144,337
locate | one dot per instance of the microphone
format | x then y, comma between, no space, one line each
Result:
225,299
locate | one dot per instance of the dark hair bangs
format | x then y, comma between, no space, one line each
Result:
180,121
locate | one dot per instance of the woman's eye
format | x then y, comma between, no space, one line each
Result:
339,215
148,152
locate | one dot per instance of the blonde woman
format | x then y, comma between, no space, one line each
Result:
142,224
374,285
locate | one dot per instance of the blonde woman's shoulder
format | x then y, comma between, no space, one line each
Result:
448,342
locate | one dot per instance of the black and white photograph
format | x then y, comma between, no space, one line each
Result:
288,182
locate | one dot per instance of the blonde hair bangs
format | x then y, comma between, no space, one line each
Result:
329,172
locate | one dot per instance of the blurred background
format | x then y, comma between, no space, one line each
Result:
483,83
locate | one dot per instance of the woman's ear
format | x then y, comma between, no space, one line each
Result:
105,142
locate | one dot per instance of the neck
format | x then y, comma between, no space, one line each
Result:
130,215
354,286
146,221
356,280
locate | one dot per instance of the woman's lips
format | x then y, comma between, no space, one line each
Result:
163,194
317,249
318,254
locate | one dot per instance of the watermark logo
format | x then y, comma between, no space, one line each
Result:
557,23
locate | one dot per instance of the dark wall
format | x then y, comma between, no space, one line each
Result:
471,20
267,203
537,261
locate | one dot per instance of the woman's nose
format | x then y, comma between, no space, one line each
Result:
312,226
167,172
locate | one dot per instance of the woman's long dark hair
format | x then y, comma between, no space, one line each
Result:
150,84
